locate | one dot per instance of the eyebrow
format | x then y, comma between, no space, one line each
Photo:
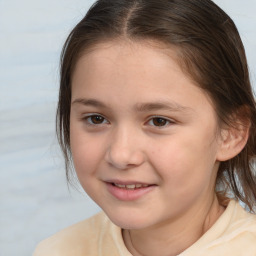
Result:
89,102
170,106
140,107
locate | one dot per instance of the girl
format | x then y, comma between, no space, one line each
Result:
157,115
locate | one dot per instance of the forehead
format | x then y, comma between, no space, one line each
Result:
126,56
133,69
121,49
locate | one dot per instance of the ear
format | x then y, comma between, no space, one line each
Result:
232,140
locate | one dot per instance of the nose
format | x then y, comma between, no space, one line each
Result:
125,150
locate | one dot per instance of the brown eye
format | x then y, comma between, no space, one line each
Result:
96,119
158,121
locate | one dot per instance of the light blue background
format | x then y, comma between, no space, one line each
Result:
34,199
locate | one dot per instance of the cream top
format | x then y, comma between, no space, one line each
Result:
233,234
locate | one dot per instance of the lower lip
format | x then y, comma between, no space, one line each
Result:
128,194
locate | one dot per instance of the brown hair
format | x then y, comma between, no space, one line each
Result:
210,52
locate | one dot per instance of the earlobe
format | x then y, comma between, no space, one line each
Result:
232,141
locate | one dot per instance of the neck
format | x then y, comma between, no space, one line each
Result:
170,239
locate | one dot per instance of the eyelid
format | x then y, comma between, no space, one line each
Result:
87,116
169,121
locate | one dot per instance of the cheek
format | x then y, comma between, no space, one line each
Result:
186,162
87,158
86,152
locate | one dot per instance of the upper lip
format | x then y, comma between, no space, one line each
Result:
127,182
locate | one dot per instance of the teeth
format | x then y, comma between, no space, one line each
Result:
130,186
119,185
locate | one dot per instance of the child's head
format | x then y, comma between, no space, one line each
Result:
203,42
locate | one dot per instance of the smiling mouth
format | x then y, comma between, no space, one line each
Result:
129,190
131,186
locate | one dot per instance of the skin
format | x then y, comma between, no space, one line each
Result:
124,141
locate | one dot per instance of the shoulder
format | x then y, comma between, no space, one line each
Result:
77,239
234,233
239,237
241,221
240,227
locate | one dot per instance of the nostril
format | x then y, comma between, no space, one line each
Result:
123,153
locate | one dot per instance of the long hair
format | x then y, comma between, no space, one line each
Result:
210,52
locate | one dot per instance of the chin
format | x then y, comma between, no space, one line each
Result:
128,223
129,219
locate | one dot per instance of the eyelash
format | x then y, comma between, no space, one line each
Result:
88,119
167,122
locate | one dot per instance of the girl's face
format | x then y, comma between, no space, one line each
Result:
143,136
